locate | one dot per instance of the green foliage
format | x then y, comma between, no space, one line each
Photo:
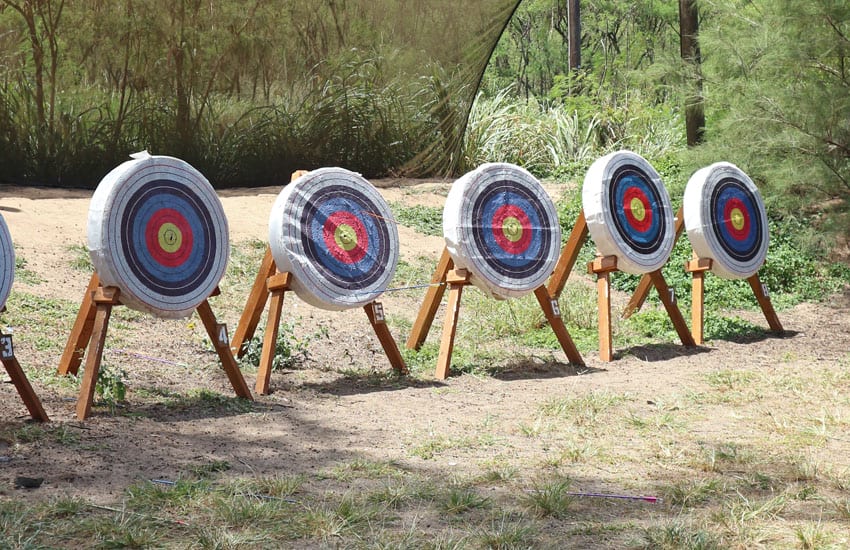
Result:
290,350
427,220
110,386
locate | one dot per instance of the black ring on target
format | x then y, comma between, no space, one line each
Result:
508,236
343,239
636,204
736,221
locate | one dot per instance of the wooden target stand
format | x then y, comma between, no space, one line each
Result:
602,267
90,329
273,283
456,279
698,267
19,379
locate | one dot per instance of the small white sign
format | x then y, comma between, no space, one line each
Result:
556,309
378,310
223,339
7,349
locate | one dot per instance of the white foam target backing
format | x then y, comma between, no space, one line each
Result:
157,231
726,220
334,232
502,226
628,212
7,262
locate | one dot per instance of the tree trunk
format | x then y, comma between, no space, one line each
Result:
574,25
689,45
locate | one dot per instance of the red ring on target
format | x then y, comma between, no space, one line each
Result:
337,228
735,208
643,220
158,244
501,215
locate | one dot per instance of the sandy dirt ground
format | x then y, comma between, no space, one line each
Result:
317,415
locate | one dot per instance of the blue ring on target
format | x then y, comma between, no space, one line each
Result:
630,178
323,204
513,266
745,249
498,254
141,206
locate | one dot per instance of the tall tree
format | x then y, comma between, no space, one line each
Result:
689,41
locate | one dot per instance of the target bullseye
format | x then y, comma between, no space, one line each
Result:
628,212
726,220
158,232
500,224
331,230
7,262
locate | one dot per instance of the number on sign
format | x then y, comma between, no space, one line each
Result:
378,310
7,350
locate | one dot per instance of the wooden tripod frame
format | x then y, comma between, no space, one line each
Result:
19,379
603,267
272,283
697,267
90,328
455,279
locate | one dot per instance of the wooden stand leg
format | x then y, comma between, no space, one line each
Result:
429,307
375,313
80,333
218,336
603,267
697,268
253,306
672,309
645,283
19,379
764,302
549,305
277,285
456,280
568,257
104,299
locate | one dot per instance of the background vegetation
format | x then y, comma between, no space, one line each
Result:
249,92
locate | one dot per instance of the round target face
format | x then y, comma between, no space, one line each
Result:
7,262
726,220
628,212
500,224
333,232
158,232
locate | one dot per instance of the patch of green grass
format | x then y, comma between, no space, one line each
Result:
81,259
690,493
207,400
23,274
207,469
583,410
424,219
291,351
458,500
730,379
679,535
362,469
506,532
550,498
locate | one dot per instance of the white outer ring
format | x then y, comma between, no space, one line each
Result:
7,262
289,255
600,221
699,221
106,210
458,233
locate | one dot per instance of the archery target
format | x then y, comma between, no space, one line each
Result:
628,212
7,262
726,220
158,232
333,232
501,225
